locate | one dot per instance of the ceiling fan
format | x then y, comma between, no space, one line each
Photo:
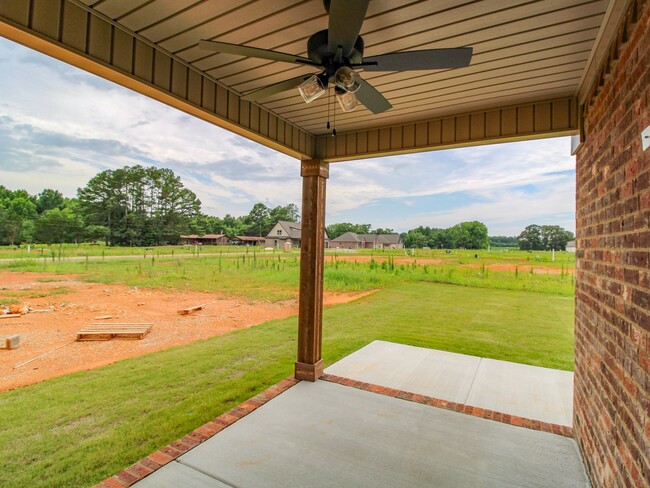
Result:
338,52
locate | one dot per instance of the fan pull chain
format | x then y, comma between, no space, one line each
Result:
329,99
334,119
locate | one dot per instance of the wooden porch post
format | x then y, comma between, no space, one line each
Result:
312,248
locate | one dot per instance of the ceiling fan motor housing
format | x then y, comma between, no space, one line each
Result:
318,51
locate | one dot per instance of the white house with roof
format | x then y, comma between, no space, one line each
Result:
352,240
284,231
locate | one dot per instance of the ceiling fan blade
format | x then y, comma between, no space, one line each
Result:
420,60
253,52
275,88
346,18
371,98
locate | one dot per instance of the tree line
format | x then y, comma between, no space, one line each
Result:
138,206
465,235
544,238
130,206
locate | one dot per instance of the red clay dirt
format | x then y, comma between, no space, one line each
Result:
524,267
407,260
75,304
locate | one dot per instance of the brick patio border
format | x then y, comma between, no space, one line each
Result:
158,459
505,418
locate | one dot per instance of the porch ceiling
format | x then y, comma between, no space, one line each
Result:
533,64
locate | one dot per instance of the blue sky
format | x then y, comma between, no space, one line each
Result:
61,136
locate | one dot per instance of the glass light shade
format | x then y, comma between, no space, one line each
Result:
347,78
311,89
348,101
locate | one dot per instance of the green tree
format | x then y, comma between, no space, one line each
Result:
289,213
259,219
416,238
477,235
544,238
49,199
16,212
233,226
56,226
95,233
531,238
467,235
555,237
503,241
336,230
139,206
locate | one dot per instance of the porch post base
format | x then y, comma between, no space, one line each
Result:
309,372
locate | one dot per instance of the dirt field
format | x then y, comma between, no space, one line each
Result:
73,305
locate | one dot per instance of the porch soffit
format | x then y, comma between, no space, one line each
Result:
533,63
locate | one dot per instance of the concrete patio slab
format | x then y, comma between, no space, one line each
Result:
327,435
439,374
528,391
176,474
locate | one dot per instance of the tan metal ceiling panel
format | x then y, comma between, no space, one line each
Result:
230,26
544,36
151,13
189,18
495,42
110,50
114,9
525,51
461,22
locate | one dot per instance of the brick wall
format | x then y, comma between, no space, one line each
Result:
612,328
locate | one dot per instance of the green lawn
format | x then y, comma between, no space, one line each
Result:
78,429
56,251
268,276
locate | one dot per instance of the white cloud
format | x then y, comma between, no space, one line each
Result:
508,212
81,125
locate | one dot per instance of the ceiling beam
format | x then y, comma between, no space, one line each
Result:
549,118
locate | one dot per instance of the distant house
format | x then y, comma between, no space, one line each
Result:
352,240
571,246
206,239
285,231
248,241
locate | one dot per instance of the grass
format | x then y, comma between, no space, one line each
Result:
10,297
77,429
56,252
266,276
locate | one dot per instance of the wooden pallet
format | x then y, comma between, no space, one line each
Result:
107,331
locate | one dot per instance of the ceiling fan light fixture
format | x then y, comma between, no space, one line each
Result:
346,78
347,100
311,89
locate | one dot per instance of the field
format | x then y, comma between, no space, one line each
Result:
76,429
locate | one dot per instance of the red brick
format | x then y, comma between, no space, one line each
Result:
612,323
127,478
139,470
150,463
171,451
112,482
160,457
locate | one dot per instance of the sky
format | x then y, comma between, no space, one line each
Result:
60,126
